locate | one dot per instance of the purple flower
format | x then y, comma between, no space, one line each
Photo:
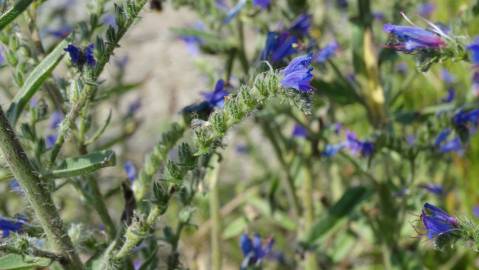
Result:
447,77
80,57
15,187
298,74
451,94
192,42
299,131
217,97
253,250
327,52
356,146
130,170
433,188
278,46
263,4
10,225
411,38
134,107
332,149
465,119
445,146
475,211
437,222
109,20
379,16
50,141
55,119
474,49
301,25
411,140
234,11
425,10
402,68
2,57
337,128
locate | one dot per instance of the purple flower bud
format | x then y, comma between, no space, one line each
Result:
433,188
298,74
55,120
425,10
263,4
437,222
80,57
50,141
410,38
299,131
10,225
216,98
278,46
130,170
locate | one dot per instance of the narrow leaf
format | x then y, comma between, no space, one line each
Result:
13,12
34,80
346,204
76,166
19,262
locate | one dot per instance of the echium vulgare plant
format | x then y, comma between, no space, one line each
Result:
317,134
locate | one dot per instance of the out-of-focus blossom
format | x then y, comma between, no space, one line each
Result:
447,77
216,98
356,146
2,56
80,57
437,222
130,170
426,10
55,119
411,140
475,211
263,4
50,140
402,68
332,149
254,251
444,145
278,46
411,38
342,4
449,97
60,32
10,225
121,62
15,187
337,128
379,16
134,107
242,149
299,131
301,25
327,52
433,188
234,11
469,119
474,49
298,74
109,20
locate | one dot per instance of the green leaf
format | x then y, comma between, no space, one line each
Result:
76,166
235,228
19,262
13,12
34,80
351,198
100,131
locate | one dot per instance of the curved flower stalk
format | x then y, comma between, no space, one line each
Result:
207,138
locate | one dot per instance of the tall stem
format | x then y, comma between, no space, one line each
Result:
212,177
37,194
308,214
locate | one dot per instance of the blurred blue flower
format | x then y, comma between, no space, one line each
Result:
80,57
425,10
465,119
475,211
449,97
437,222
192,42
379,16
337,128
447,77
134,107
15,187
342,3
475,83
10,225
299,131
130,170
234,11
327,52
410,38
55,120
474,49
356,146
50,140
411,140
263,4
216,98
444,145
402,68
2,56
298,74
433,188
332,149
60,32
253,250
301,25
442,136
109,20
278,46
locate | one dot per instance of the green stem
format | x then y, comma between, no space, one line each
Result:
212,177
14,12
100,207
38,195
308,214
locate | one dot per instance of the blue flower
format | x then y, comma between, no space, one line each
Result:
426,9
301,25
55,119
263,4
60,32
447,77
449,97
332,149
299,131
475,211
355,146
234,11
109,20
465,119
411,140
10,225
437,222
445,146
50,140
130,170
278,46
2,57
474,49
411,38
327,52
254,251
298,74
81,57
433,188
15,187
216,98
134,107
193,42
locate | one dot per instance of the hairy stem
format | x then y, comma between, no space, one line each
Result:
212,177
37,195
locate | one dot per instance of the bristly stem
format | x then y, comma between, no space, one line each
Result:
212,177
38,195
308,213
